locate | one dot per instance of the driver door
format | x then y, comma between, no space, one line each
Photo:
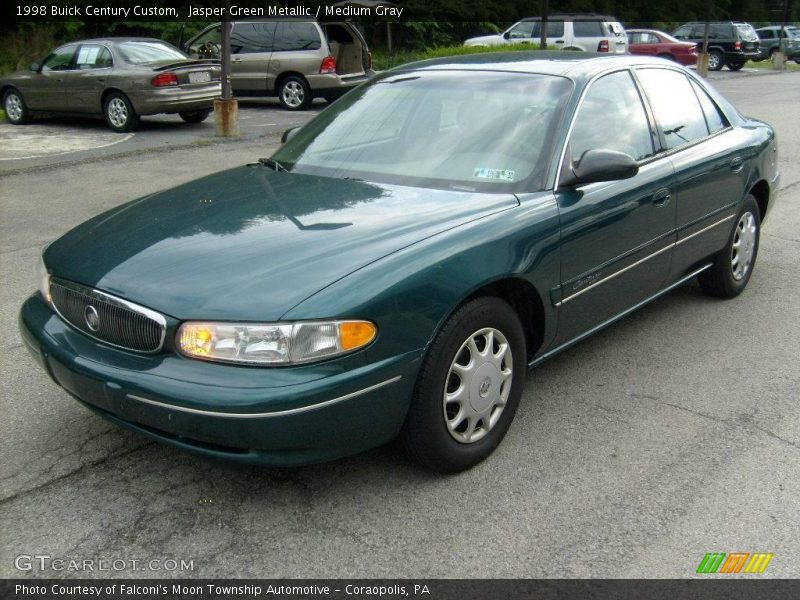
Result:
45,90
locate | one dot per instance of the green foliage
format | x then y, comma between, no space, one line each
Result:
383,60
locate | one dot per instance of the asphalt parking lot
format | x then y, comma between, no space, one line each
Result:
673,433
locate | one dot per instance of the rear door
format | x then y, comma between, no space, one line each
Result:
45,90
709,158
251,51
85,84
296,47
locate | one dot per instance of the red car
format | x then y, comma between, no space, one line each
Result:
658,43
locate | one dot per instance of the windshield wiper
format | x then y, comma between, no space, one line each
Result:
272,164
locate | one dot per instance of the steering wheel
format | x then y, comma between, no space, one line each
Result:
211,49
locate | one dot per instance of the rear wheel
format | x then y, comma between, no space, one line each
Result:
119,113
715,60
294,93
468,388
15,108
734,264
195,116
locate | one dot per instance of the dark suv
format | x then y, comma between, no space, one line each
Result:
729,43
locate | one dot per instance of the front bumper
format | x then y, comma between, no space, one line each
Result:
275,416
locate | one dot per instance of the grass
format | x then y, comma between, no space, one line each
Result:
2,115
767,64
382,60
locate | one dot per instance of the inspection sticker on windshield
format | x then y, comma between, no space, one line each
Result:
496,174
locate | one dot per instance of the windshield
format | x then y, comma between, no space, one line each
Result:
142,53
793,32
475,131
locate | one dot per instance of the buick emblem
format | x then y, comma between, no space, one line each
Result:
91,317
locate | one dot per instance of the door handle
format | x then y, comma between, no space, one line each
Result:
559,41
237,60
737,164
661,198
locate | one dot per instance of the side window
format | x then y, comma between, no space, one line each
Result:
208,45
714,118
522,30
91,56
612,117
60,59
296,36
587,29
555,29
249,38
652,38
636,38
675,105
683,33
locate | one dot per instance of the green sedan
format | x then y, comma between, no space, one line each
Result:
398,265
120,79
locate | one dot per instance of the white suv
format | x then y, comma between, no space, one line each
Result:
586,32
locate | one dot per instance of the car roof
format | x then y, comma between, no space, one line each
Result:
574,17
118,40
575,65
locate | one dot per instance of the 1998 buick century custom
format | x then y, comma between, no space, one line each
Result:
399,263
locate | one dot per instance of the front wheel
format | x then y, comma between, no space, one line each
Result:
734,264
195,116
468,388
294,93
15,107
119,113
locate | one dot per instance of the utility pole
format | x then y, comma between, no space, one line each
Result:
226,109
543,39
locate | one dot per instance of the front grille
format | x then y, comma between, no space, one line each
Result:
114,321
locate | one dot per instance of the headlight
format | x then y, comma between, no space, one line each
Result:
272,343
44,281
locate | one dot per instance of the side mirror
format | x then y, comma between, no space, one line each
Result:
507,35
289,134
34,66
599,165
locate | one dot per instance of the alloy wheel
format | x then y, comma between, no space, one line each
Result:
293,94
117,112
14,107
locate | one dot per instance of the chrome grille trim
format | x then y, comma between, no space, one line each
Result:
123,324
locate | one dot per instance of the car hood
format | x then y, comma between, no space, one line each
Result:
251,243
486,40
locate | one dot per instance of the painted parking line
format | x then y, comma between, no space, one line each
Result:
36,141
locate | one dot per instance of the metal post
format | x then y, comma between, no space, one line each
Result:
545,10
226,109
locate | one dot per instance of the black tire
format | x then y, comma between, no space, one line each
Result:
119,113
722,279
716,60
735,66
294,93
426,436
15,108
195,116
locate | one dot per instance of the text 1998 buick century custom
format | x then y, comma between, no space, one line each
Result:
397,265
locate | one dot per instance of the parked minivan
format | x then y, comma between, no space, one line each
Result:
296,60
586,32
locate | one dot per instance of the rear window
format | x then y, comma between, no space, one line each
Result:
142,53
746,33
588,29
